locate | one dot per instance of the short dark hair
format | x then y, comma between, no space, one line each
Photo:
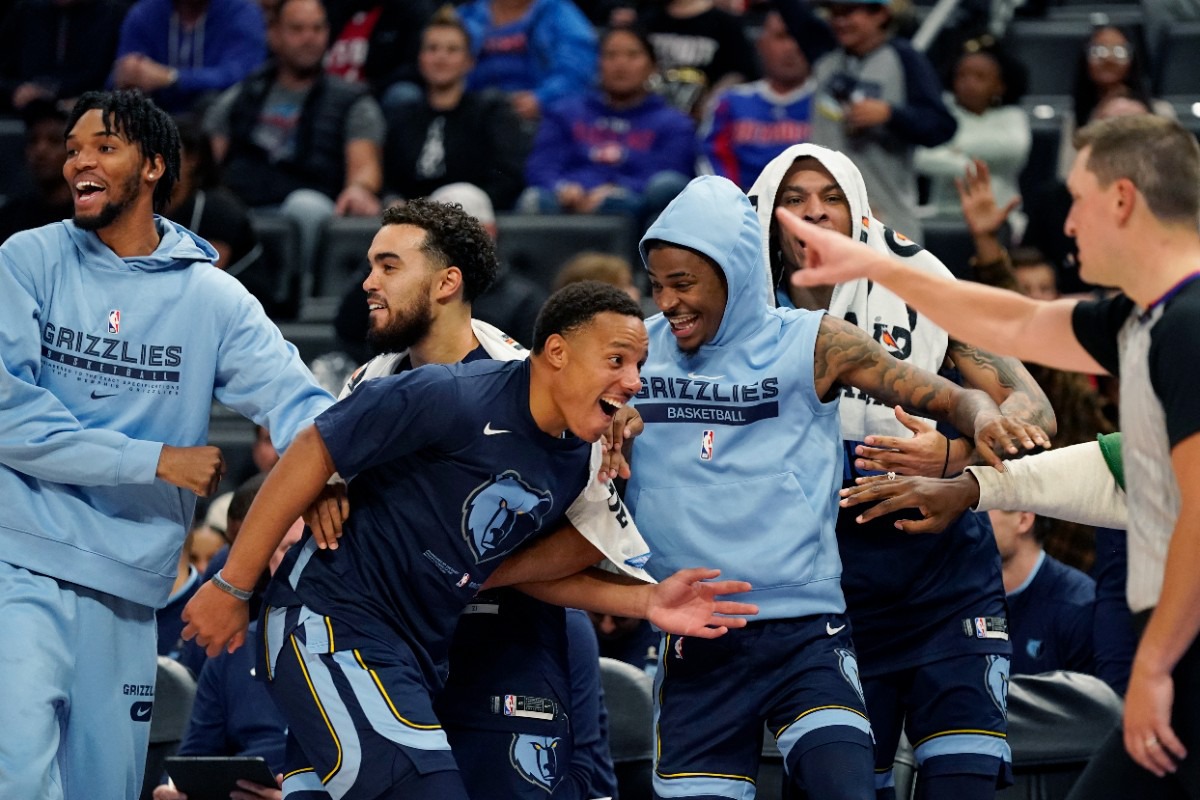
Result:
142,122
575,305
1157,155
452,238
243,496
636,31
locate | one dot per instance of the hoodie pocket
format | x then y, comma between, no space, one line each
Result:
761,530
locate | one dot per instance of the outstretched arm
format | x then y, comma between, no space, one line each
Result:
1000,321
685,604
218,620
1007,382
846,355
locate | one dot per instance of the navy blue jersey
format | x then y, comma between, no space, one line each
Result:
1050,620
450,473
916,599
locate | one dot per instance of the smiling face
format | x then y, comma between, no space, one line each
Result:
399,288
690,291
601,371
105,172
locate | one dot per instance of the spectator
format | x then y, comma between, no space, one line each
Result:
449,135
375,42
1110,67
538,51
180,51
751,124
985,88
878,99
1050,605
50,198
294,139
207,208
618,150
700,49
56,50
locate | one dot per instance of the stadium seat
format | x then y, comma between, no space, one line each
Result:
1049,49
174,691
538,245
949,240
341,254
1046,115
1176,73
279,239
628,696
1056,721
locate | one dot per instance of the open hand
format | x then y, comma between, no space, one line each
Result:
686,604
983,216
1001,436
923,453
940,502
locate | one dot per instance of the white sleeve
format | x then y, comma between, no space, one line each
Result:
1072,484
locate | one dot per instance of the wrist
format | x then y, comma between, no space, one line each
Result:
228,588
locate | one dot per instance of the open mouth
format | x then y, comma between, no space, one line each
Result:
684,324
87,191
610,405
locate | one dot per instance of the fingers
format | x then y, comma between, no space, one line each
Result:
709,633
696,574
914,424
935,523
731,608
988,456
1154,751
721,588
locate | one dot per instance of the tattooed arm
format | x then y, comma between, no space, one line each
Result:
1007,382
846,355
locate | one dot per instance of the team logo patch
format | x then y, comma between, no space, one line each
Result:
679,648
501,513
114,321
848,664
535,758
1034,648
996,679
706,446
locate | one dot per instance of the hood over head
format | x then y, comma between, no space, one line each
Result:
712,216
177,249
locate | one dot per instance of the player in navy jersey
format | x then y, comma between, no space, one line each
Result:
1135,189
451,468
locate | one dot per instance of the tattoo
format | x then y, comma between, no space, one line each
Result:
1006,381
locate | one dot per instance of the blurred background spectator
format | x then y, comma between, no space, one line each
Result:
537,51
375,42
618,150
183,51
49,199
446,134
749,124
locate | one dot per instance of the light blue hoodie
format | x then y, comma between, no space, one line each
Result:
740,461
102,361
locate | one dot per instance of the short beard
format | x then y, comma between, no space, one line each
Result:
108,215
403,333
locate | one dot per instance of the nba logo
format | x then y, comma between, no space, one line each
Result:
706,446
114,321
980,628
510,704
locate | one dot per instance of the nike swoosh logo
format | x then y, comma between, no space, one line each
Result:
102,396
143,712
488,430
698,377
832,630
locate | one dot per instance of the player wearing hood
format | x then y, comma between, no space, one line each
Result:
739,464
928,613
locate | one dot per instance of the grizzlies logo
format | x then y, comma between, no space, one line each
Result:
1034,648
499,514
996,678
535,758
848,664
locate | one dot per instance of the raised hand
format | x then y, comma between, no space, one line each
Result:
979,208
829,257
686,604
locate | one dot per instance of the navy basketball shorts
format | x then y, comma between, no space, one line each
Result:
359,723
509,745
956,717
712,696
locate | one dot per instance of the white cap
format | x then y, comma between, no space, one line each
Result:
473,200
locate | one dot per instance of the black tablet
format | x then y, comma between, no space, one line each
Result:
213,778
